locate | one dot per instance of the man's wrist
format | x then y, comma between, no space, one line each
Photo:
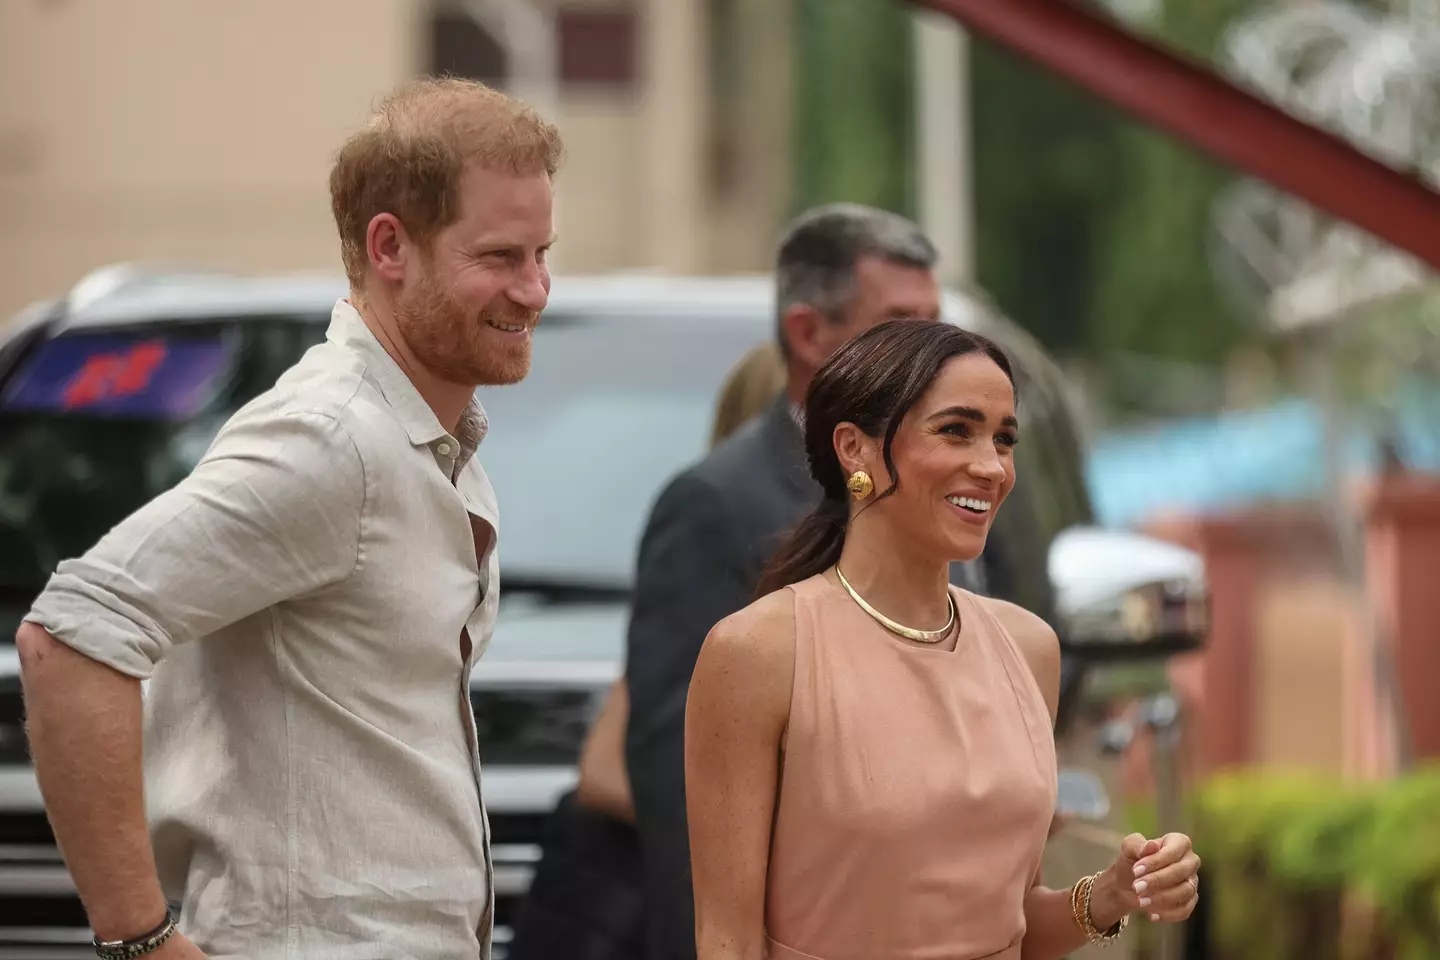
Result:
1109,902
132,923
135,946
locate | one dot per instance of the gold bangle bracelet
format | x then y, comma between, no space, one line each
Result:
1080,911
1077,896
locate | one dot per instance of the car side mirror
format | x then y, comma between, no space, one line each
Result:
1123,597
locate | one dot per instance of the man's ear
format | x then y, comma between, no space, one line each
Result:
387,247
801,325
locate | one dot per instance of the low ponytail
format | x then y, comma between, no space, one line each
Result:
812,547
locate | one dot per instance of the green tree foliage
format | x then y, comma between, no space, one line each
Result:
1048,173
855,104
1093,229
1156,290
1287,851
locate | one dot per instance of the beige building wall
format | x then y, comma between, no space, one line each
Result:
750,205
170,130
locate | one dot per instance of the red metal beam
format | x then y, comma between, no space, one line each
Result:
1205,110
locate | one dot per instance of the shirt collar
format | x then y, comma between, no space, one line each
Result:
348,329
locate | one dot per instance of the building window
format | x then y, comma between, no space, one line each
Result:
460,47
598,46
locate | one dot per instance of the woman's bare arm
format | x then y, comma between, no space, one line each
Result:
604,781
735,719
1050,928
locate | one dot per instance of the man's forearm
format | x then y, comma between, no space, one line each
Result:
85,736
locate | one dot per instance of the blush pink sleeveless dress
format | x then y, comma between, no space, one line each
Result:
917,788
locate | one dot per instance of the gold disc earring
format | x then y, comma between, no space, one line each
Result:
860,485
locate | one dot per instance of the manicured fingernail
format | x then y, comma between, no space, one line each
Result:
1144,901
1155,917
1139,869
1140,886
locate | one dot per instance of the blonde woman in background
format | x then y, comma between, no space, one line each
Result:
600,835
750,387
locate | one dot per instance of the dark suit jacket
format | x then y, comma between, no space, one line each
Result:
710,534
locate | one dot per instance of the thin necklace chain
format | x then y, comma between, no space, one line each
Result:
910,633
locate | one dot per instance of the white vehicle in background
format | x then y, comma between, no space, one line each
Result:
625,374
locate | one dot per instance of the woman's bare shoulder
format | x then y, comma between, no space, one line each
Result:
750,655
762,633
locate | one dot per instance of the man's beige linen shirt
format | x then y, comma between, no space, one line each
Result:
302,605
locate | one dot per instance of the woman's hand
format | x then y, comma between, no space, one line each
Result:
1159,877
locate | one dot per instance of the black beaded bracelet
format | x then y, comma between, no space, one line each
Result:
140,946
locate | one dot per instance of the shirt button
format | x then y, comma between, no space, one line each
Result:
445,449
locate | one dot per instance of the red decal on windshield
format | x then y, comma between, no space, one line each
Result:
110,376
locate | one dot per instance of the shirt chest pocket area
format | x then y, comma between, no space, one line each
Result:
430,581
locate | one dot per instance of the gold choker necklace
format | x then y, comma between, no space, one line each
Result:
910,633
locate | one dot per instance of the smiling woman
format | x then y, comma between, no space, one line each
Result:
869,764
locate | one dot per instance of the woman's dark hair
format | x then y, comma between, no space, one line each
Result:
872,382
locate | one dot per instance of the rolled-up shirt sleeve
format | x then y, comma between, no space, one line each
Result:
273,512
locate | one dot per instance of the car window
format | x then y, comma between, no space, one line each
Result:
578,450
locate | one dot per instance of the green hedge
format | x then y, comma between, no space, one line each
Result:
1291,855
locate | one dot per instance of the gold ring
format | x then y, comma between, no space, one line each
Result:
1194,882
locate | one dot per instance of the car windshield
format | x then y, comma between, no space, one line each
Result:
578,451
93,425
